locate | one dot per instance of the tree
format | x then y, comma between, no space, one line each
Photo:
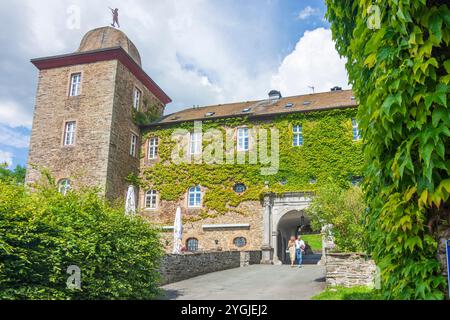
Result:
17,175
399,69
344,209
42,233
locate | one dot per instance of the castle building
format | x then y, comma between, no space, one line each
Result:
99,122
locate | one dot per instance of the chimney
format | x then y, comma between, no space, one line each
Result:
274,95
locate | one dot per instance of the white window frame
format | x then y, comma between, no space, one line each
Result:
133,145
355,130
75,84
195,144
70,128
297,131
153,148
64,185
243,142
196,194
151,199
137,94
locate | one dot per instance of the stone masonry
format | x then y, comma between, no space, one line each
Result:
349,269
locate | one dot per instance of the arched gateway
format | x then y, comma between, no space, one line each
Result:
283,215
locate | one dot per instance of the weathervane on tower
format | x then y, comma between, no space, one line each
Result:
115,13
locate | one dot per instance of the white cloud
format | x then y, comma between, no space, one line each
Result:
308,12
13,138
314,62
6,157
14,115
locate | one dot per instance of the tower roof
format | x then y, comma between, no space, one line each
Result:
108,37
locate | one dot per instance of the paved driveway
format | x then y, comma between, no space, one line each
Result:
256,282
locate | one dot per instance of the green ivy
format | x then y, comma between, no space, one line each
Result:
400,74
147,114
328,152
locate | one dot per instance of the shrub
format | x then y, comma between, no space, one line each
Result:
344,209
42,233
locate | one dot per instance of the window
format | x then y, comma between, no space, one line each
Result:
75,82
63,186
297,131
240,242
194,197
69,133
136,98
196,143
192,244
356,131
150,199
152,148
242,137
133,145
239,187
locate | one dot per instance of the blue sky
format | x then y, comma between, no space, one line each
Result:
199,51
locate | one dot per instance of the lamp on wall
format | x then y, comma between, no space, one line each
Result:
216,242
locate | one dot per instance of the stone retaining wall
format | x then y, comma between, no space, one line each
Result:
349,269
177,267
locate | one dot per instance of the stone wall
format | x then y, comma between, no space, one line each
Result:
349,269
177,267
212,239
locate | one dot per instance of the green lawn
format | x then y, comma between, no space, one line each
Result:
314,240
341,293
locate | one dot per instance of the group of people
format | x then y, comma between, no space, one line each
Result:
296,248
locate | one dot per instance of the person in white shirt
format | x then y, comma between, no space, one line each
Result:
299,250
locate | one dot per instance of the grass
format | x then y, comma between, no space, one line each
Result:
314,240
341,293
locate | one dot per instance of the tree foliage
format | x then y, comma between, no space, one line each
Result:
400,74
17,175
344,209
42,233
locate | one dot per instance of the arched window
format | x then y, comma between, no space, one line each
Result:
240,242
194,197
63,186
150,199
192,244
239,187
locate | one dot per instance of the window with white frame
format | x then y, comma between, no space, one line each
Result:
152,148
75,83
69,133
196,143
133,145
194,197
137,98
63,186
356,131
242,139
297,131
150,199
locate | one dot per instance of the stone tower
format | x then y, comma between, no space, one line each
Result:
84,128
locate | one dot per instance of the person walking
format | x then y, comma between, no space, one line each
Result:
299,250
291,248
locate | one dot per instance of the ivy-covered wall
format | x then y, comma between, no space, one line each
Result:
328,152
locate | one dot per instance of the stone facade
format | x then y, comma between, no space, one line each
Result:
249,217
184,266
349,269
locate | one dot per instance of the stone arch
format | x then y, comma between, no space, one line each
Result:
278,208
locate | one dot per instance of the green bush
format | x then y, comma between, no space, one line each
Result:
17,175
42,233
354,293
344,209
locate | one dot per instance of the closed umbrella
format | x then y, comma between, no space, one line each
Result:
130,203
177,232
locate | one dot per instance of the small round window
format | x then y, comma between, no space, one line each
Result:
239,188
240,242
